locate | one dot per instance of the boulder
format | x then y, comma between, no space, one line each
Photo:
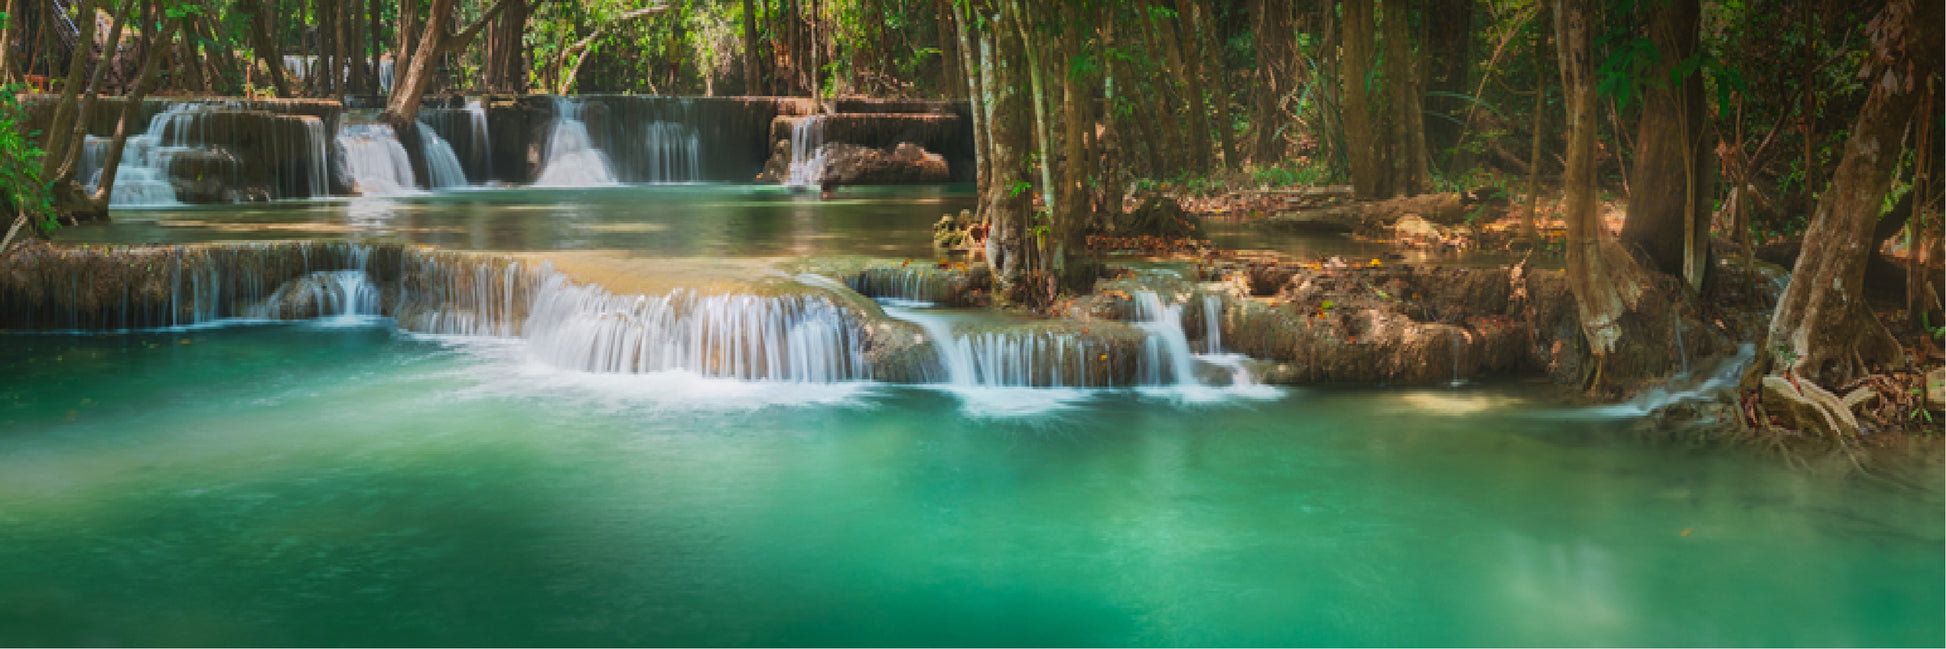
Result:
207,176
904,164
1159,216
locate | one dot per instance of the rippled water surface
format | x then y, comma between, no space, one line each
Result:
339,483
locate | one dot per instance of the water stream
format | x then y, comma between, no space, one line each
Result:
572,159
453,448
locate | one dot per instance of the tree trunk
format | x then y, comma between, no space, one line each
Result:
1368,177
1009,250
1607,283
377,46
504,70
751,78
1408,124
1528,230
1071,214
131,109
1180,38
68,160
264,40
407,92
64,112
1669,220
1448,66
950,68
1270,25
351,38
1210,59
229,80
189,63
976,104
1822,327
1038,98
7,29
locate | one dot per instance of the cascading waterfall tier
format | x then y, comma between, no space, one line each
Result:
572,159
672,153
215,151
742,336
150,287
807,151
442,165
808,330
784,337
376,161
464,130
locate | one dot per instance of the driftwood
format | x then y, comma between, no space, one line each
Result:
1446,209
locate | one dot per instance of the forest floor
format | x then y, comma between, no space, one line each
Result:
1902,422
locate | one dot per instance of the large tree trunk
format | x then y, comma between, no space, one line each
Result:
264,40
751,78
1368,177
1448,71
1668,221
1072,214
1009,250
1409,167
1607,283
1270,26
1210,59
504,70
1186,58
403,107
1822,323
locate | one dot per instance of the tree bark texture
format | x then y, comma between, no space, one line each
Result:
1448,71
1670,202
1606,281
1361,138
64,113
751,77
264,40
69,160
1270,26
1407,164
1822,328
1009,133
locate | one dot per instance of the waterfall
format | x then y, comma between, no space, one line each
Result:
378,164
791,337
1167,348
673,153
319,160
220,138
482,142
322,294
385,75
572,159
742,336
1009,358
807,151
1681,351
1213,323
441,163
141,179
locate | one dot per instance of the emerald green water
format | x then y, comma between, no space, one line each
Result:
311,484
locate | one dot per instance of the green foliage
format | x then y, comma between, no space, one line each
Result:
21,186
